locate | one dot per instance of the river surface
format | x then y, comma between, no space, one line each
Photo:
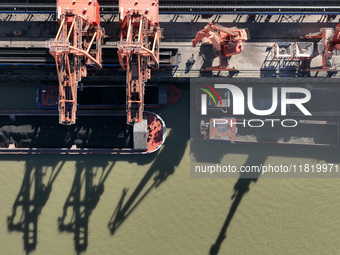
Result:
150,205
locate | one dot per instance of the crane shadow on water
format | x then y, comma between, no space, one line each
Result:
87,187
163,165
32,197
241,187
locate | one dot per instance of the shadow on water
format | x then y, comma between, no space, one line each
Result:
241,187
87,187
32,197
39,176
162,167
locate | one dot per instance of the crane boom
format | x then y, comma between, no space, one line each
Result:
76,46
228,41
328,46
138,50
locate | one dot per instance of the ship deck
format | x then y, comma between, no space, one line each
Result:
306,132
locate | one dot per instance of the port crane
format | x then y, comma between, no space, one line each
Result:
138,50
328,47
76,46
228,41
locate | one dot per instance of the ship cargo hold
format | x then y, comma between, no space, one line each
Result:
110,96
40,133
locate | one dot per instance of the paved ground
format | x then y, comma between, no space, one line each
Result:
27,30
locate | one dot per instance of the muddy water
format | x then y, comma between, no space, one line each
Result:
150,205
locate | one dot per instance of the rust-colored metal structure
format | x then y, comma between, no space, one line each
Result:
228,41
138,50
76,46
328,47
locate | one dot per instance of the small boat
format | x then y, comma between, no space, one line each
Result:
110,96
306,132
41,134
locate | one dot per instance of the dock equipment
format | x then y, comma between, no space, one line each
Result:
138,50
76,46
292,51
228,41
328,47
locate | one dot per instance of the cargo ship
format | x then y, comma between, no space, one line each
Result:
109,96
306,132
38,133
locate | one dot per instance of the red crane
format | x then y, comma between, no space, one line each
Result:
76,46
327,46
138,50
228,41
